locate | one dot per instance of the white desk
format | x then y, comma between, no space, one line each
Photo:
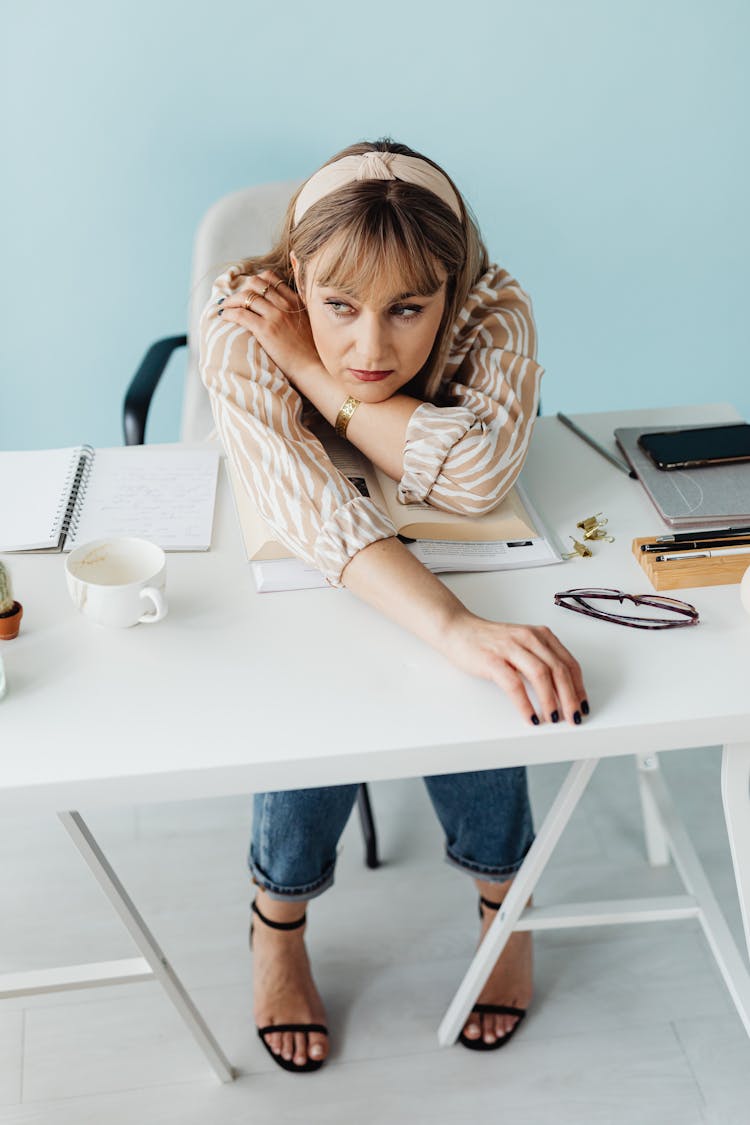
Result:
236,692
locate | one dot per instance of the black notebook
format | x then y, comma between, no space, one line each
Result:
56,499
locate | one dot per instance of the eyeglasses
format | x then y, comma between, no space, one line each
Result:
578,601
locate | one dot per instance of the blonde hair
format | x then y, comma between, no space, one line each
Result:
385,235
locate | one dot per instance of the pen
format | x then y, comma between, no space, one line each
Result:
696,544
595,445
716,533
704,554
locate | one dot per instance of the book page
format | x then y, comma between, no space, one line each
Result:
257,536
165,495
482,556
34,489
509,520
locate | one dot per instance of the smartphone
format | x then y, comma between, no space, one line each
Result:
706,445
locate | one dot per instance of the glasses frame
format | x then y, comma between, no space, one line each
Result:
583,594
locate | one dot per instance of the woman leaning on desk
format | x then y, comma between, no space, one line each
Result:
379,310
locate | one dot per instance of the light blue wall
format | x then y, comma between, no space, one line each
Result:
603,147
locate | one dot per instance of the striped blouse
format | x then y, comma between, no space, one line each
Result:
464,446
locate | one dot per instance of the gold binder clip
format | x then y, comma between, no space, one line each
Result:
592,521
598,532
580,549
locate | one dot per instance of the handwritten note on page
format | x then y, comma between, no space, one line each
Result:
163,495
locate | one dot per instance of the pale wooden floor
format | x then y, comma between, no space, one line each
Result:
629,1024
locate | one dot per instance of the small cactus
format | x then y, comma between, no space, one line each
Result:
6,591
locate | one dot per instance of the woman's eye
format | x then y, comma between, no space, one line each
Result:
407,312
340,308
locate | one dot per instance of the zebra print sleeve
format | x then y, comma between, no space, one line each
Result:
311,507
464,456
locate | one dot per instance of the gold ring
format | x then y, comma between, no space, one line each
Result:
276,284
249,300
268,286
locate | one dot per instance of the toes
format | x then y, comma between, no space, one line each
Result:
295,1046
318,1045
504,1025
490,1027
300,1048
287,1045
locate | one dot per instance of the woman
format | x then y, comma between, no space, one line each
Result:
379,312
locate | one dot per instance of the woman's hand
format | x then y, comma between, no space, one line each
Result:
277,318
509,654
390,579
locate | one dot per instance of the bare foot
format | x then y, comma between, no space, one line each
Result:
283,988
510,982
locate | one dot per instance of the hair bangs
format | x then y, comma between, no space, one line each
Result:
379,262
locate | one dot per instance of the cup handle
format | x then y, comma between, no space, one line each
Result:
160,604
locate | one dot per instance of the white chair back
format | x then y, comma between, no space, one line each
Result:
237,226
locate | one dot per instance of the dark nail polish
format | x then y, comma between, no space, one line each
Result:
221,300
576,716
220,311
535,720
555,716
585,706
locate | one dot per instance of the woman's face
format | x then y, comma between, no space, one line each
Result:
388,337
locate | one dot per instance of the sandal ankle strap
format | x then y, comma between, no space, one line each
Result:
279,925
486,902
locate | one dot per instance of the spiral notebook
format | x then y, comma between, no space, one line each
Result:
56,499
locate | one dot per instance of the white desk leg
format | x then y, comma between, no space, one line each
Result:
514,903
144,939
657,845
735,793
732,965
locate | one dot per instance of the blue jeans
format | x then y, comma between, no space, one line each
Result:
486,817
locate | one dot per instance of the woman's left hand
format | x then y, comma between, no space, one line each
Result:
277,318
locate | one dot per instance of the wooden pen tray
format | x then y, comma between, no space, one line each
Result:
684,573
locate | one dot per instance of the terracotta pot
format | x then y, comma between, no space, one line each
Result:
10,623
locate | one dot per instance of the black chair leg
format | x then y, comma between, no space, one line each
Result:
368,826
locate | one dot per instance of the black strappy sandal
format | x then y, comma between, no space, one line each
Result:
492,1009
287,1064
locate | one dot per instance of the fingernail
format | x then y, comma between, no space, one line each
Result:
220,311
535,720
555,716
221,300
585,706
576,716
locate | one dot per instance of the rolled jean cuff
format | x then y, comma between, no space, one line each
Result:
484,872
291,894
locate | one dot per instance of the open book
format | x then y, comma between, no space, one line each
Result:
511,536
56,499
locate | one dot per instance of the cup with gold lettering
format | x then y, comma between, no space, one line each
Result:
118,581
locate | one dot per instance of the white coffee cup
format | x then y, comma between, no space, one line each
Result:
111,581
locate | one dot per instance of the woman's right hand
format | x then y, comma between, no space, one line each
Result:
390,579
509,655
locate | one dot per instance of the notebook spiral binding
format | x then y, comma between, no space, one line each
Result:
76,482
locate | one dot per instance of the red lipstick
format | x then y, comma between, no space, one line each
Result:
370,376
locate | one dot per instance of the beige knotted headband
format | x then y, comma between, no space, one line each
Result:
375,166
